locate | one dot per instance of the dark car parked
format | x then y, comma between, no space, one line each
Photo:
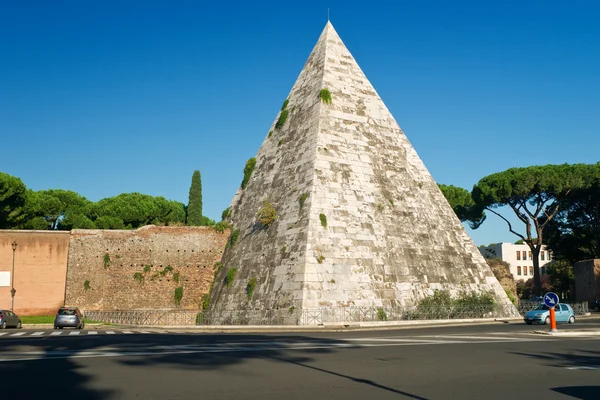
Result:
69,317
595,305
9,319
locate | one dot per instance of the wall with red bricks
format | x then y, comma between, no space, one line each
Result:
40,261
139,269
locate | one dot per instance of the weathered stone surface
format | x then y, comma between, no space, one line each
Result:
390,239
191,252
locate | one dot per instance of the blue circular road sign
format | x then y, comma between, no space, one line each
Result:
551,299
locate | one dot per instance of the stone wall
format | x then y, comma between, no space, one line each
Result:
587,280
40,270
140,269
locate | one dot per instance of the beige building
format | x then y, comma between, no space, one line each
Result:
518,256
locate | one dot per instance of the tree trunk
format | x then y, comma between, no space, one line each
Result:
537,278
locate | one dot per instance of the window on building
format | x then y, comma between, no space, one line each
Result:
543,255
524,255
518,255
518,270
530,270
530,256
525,270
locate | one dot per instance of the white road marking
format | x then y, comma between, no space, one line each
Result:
127,332
37,333
218,348
92,332
584,367
74,333
110,333
18,334
56,334
3,333
475,337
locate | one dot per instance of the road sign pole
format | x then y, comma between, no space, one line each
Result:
552,320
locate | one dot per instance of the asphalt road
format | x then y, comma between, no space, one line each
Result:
497,361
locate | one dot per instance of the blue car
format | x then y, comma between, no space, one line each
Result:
541,314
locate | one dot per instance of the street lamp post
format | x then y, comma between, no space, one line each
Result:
12,278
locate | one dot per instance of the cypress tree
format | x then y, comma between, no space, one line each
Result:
194,209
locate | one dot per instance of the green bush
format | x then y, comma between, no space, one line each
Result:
147,268
282,118
230,276
512,298
381,315
204,302
285,103
106,261
139,277
86,285
176,277
323,219
248,169
325,96
178,295
266,214
233,238
221,226
283,248
467,305
250,287
226,213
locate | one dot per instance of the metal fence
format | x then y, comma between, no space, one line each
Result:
580,308
320,316
144,317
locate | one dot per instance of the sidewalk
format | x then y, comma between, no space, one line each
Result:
336,327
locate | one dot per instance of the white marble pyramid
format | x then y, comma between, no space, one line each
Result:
360,221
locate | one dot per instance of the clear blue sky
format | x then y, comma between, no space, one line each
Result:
132,96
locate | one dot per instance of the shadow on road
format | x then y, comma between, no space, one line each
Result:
580,392
568,359
299,362
58,370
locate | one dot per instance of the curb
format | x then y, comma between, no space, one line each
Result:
568,333
332,327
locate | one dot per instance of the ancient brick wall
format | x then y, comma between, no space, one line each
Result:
141,269
40,270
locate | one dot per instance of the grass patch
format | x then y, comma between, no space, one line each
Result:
233,238
266,214
248,169
106,261
178,295
147,268
138,277
302,199
323,219
230,276
282,118
221,226
325,96
250,287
